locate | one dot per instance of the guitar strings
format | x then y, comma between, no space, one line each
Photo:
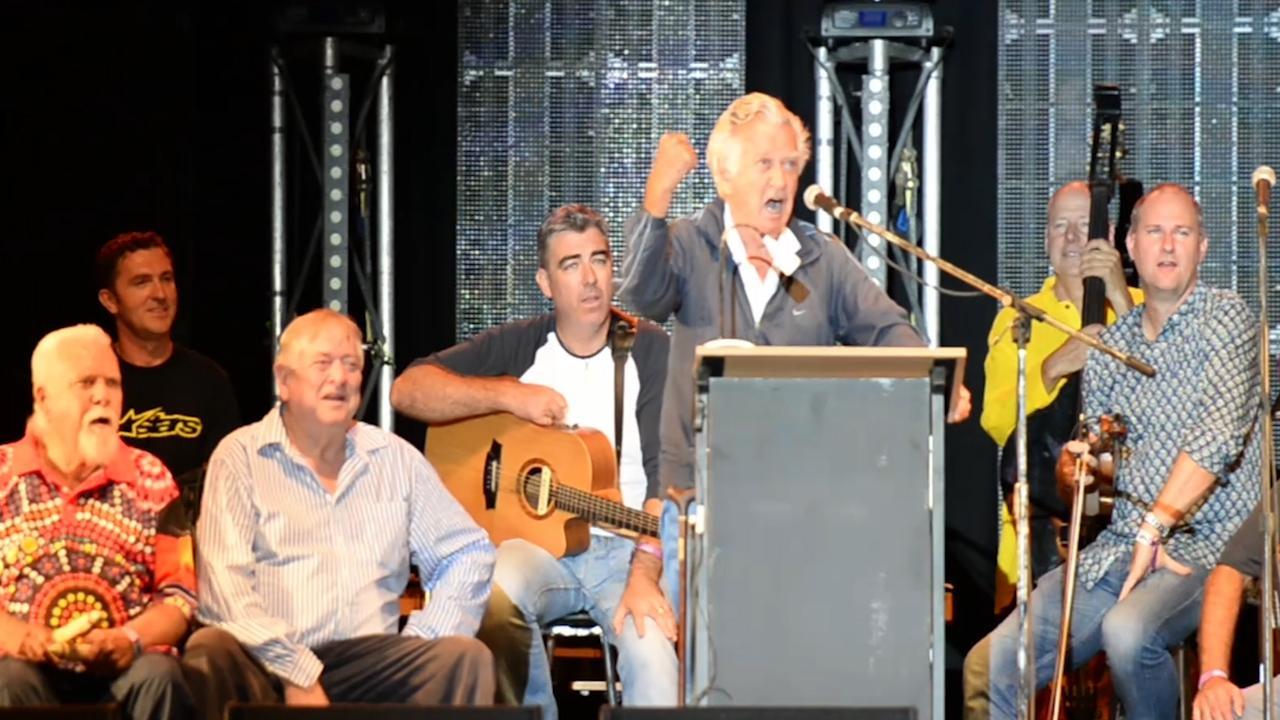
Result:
575,500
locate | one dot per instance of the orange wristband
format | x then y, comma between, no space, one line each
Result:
1174,513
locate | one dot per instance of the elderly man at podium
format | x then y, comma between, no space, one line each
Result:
783,282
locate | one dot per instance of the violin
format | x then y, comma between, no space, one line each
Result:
1099,477
1080,476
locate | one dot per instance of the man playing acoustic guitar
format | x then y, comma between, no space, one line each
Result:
556,369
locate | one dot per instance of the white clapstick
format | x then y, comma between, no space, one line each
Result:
78,626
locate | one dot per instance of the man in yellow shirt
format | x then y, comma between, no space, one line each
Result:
1073,258
1050,362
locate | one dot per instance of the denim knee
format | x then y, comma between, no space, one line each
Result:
515,572
1125,642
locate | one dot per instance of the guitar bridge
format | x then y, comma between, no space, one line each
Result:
492,471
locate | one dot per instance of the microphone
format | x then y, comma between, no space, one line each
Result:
1263,178
815,199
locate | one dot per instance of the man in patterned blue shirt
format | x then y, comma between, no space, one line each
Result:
310,520
1187,479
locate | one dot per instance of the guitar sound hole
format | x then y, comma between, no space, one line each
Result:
538,490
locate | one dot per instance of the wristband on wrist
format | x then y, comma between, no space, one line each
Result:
1174,514
1154,521
133,638
1208,675
650,548
1148,538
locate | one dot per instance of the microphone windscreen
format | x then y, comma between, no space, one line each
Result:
811,195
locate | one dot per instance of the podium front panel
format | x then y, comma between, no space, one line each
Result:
817,558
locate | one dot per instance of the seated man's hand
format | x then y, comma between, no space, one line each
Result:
1102,260
313,695
105,651
1219,699
538,404
643,598
1073,454
963,406
32,644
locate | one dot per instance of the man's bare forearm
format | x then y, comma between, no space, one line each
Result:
1221,608
160,624
11,631
1187,483
643,564
433,394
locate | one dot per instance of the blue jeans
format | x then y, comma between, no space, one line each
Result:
1160,612
669,533
545,589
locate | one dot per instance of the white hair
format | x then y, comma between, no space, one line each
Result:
49,360
723,147
304,329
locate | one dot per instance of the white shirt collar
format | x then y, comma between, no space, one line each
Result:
782,250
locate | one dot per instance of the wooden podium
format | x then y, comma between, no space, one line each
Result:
815,555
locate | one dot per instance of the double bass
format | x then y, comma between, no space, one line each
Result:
1049,428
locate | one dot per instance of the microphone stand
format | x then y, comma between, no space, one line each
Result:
815,200
1265,175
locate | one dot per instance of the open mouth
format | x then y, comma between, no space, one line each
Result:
775,205
100,422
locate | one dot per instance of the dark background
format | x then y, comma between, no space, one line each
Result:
121,116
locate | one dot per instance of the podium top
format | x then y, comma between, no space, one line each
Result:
802,361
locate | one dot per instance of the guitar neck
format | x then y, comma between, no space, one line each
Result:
599,511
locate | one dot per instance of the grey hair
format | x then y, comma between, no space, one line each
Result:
723,147
48,359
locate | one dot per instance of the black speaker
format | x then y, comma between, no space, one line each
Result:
757,713
359,711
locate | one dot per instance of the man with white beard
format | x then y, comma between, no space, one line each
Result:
89,527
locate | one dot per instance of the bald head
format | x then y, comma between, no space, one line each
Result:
1069,192
1066,228
1167,193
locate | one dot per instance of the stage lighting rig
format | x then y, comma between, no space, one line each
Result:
842,20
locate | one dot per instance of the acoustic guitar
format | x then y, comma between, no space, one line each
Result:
546,485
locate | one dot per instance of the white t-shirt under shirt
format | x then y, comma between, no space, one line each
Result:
531,351
783,254
587,386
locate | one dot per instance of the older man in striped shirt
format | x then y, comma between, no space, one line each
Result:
308,524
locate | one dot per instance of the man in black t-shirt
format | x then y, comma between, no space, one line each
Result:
178,404
560,369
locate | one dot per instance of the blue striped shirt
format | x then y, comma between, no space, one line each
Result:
285,566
